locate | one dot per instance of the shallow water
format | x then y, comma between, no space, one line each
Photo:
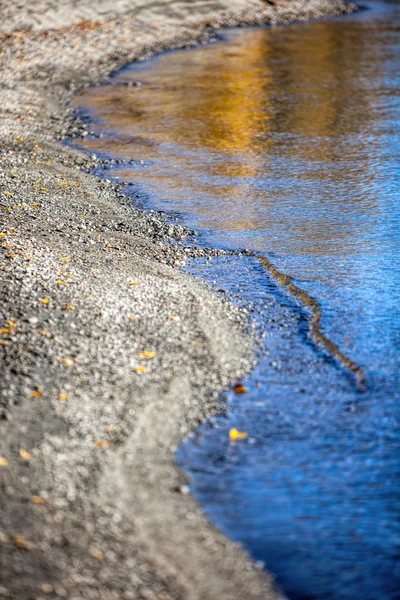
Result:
286,141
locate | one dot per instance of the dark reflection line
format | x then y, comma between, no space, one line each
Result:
314,320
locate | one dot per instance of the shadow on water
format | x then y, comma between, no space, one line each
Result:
286,141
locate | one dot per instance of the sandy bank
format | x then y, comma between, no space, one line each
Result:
109,354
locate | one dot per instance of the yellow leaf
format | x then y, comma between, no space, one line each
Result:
239,388
63,396
43,189
38,500
68,307
140,369
235,434
44,300
146,354
134,283
96,554
66,361
35,393
103,443
3,462
61,282
11,323
65,258
7,193
25,454
63,183
2,234
3,343
5,330
45,333
35,204
132,318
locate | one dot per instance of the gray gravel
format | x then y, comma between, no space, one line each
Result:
110,354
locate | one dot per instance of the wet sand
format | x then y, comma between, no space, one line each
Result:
110,353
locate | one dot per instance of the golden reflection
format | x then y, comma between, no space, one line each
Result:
250,128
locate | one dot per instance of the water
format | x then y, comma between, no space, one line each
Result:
286,141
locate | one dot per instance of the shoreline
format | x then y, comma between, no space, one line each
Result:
94,402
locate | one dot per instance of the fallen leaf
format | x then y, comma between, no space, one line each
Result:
63,396
110,429
25,454
65,258
61,282
3,462
66,361
235,434
3,342
146,354
11,323
63,183
132,318
22,543
38,500
44,300
45,333
35,393
68,307
103,443
46,588
134,283
5,330
140,369
96,554
239,388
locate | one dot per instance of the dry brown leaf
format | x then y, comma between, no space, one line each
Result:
22,543
46,588
239,388
99,554
38,500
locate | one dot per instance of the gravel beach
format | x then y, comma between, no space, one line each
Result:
110,354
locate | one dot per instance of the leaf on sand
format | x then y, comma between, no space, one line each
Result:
35,393
38,500
139,369
63,396
5,330
3,462
65,258
99,554
134,283
25,454
132,318
3,343
146,354
65,360
11,323
45,333
22,543
110,429
46,588
68,307
61,282
239,388
44,300
235,434
103,443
